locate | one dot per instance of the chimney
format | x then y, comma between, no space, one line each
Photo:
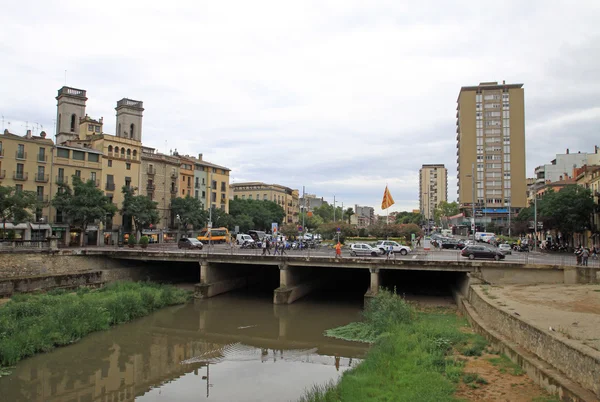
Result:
200,157
560,178
28,135
567,151
101,120
503,82
43,134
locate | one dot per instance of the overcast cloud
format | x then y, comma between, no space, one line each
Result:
339,96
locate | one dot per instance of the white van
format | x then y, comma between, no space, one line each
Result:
447,232
241,238
481,236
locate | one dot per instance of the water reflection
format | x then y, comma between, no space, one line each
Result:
234,347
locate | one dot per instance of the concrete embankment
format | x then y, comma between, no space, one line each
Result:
563,366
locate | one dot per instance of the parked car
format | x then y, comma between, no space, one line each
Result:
240,238
384,245
505,248
473,252
462,243
364,249
189,242
450,243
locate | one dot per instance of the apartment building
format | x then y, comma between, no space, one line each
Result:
433,188
160,175
284,196
363,216
25,165
210,182
490,135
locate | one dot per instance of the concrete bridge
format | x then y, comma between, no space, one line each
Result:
299,275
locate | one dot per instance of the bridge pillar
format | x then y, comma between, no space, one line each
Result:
374,285
215,280
294,283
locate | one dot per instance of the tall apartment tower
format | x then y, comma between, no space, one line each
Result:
433,188
129,119
490,142
70,108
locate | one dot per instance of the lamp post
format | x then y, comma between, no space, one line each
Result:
535,221
473,200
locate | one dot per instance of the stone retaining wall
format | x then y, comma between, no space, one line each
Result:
580,363
9,286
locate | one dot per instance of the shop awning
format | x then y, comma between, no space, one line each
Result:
10,226
40,226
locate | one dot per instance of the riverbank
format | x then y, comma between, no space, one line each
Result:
34,323
420,355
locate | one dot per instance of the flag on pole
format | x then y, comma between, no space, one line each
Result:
388,201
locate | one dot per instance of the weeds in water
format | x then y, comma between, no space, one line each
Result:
505,365
320,393
38,323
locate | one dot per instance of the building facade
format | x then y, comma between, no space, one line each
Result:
433,188
25,163
285,197
561,167
490,134
363,216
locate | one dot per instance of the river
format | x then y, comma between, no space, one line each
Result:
234,347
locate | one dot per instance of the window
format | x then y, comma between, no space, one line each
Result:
128,182
61,172
479,132
214,185
505,114
18,187
128,153
223,188
42,155
492,114
507,167
93,158
0,148
243,197
492,123
478,97
62,153
135,154
492,97
109,163
478,106
479,141
257,196
507,149
214,170
479,124
131,130
265,198
20,170
506,157
73,118
128,166
21,151
90,127
213,197
189,181
203,183
479,115
97,129
93,176
78,155
196,194
506,184
122,152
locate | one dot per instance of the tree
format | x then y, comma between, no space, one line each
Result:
83,204
567,210
191,212
290,230
262,213
140,209
310,222
16,206
445,209
348,214
220,218
405,217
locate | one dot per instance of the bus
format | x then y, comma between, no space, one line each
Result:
215,235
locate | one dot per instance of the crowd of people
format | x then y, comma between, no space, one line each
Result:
583,254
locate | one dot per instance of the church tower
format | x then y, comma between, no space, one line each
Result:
70,108
129,119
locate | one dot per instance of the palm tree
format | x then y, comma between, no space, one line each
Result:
349,212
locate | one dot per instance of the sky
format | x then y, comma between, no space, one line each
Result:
339,97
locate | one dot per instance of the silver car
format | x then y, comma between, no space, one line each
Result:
505,248
363,249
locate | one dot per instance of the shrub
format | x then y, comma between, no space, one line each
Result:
131,240
144,240
386,310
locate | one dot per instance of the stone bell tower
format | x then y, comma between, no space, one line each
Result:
129,119
70,108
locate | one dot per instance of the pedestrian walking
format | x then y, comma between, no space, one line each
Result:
338,250
265,247
282,248
419,241
585,254
276,247
578,255
594,253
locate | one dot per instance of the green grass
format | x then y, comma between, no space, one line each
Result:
505,365
31,324
412,358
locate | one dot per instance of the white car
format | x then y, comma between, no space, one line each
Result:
384,245
505,248
363,249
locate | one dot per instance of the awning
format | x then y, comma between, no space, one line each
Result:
40,226
10,226
92,228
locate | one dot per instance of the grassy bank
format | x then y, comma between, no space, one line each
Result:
416,355
31,324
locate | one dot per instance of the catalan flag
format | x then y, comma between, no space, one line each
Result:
388,201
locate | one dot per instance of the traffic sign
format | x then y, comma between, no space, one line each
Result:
300,229
339,229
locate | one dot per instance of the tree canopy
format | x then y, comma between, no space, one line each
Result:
255,214
445,209
191,212
405,217
16,206
140,208
567,210
83,204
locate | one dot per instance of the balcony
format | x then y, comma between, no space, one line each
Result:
197,185
150,187
174,190
96,182
2,174
151,171
20,155
21,176
174,175
61,180
110,187
42,158
42,198
42,178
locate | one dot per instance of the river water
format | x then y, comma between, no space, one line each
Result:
234,347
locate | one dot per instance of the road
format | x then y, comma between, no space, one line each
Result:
561,259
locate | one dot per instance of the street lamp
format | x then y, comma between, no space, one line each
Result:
472,175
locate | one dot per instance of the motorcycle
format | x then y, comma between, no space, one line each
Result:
249,245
